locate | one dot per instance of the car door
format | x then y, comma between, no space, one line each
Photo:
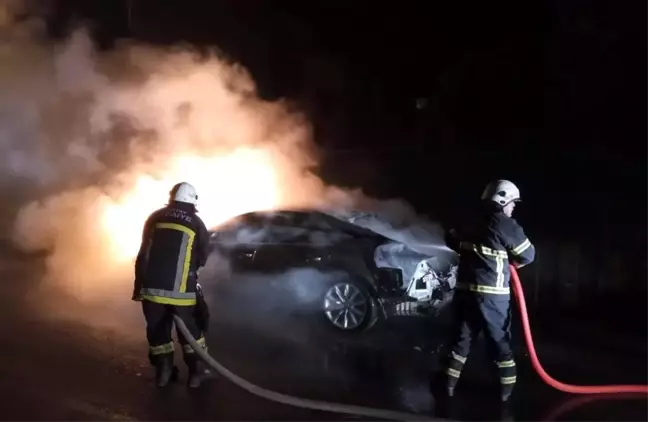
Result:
286,245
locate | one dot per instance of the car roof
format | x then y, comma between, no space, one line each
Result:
307,216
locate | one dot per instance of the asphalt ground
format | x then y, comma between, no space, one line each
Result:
76,369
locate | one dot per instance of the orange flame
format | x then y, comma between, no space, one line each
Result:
228,185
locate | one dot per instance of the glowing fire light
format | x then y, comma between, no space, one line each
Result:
228,185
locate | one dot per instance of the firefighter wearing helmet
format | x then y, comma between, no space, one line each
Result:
175,244
487,245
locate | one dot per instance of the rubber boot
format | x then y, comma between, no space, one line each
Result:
506,392
195,370
195,380
164,372
450,385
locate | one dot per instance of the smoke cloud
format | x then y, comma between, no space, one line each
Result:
81,130
94,140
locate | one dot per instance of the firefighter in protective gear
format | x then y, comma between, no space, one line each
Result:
174,246
482,301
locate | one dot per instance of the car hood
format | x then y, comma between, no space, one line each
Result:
422,236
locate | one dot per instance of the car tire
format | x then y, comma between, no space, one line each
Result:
348,307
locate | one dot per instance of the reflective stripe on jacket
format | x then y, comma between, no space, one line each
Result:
175,244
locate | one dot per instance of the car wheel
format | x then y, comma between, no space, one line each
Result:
348,306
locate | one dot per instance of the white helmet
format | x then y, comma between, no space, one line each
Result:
503,192
184,192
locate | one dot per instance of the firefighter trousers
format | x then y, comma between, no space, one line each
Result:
159,324
475,313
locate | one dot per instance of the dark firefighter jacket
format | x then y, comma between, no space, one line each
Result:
487,245
175,244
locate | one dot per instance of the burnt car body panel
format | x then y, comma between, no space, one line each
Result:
276,241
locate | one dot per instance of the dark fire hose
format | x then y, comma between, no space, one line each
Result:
567,388
366,412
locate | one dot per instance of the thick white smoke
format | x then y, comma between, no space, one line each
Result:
88,129
98,138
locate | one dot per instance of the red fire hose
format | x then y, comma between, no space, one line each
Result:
567,388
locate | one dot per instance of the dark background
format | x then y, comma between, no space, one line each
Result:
550,94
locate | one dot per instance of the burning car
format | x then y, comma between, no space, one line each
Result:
372,276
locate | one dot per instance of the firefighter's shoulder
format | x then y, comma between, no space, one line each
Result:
505,224
155,215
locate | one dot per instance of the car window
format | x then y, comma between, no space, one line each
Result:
285,233
295,228
244,229
305,228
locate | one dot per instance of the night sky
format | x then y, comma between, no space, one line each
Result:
550,94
